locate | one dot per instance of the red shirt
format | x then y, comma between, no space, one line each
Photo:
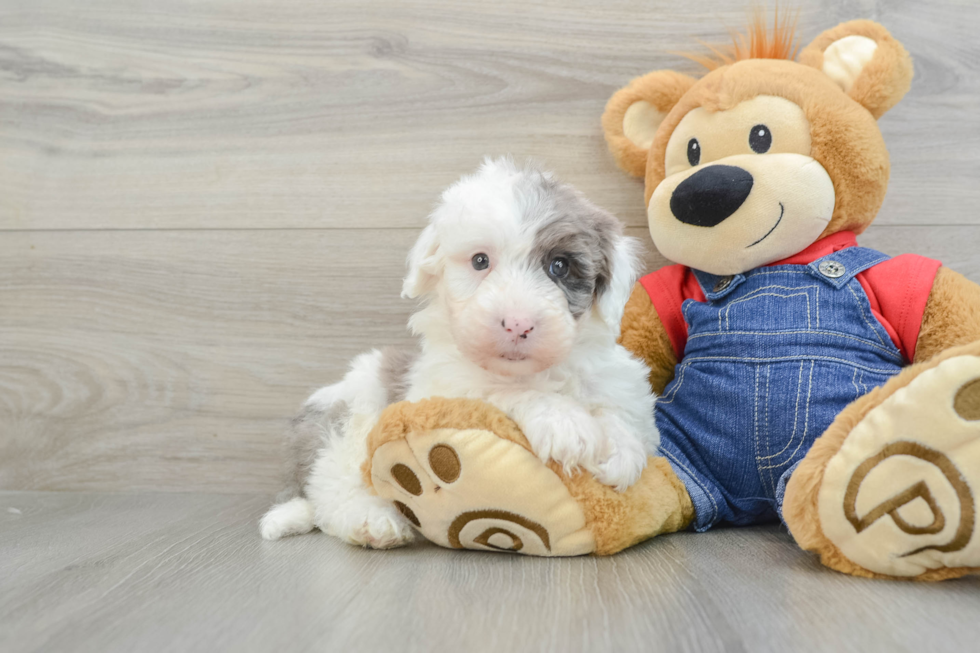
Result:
898,290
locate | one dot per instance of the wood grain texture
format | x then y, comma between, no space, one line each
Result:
182,572
205,206
155,360
252,113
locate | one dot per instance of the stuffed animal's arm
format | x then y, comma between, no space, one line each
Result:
952,315
643,334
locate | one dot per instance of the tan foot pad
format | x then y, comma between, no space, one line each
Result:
900,497
471,489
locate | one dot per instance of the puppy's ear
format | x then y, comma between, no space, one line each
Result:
864,60
423,265
634,113
623,261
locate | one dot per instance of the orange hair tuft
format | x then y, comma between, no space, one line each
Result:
759,43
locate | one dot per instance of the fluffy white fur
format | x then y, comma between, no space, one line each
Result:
506,334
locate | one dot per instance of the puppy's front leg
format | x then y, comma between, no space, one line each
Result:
558,429
628,456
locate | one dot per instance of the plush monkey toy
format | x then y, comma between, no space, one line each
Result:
802,377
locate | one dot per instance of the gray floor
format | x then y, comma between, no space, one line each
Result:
204,213
183,572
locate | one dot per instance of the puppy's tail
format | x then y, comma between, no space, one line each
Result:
294,517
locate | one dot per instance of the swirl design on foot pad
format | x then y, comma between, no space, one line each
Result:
456,528
918,491
499,533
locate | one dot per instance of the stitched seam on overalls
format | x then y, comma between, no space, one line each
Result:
662,399
755,419
772,481
755,412
694,477
758,458
834,334
873,370
759,273
758,293
796,416
863,315
806,419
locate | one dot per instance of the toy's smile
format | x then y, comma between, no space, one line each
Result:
782,210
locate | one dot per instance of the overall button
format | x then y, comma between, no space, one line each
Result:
723,283
832,269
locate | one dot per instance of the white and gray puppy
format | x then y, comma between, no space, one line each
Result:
523,283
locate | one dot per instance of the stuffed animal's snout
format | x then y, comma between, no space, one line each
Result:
711,195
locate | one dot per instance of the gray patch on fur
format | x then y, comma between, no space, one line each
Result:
315,426
393,372
307,434
568,225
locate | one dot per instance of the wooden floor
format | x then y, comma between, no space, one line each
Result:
204,213
177,572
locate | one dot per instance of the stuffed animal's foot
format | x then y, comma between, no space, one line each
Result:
466,477
472,489
899,496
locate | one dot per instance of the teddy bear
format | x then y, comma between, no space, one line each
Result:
801,377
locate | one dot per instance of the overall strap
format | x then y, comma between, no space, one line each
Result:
839,268
715,287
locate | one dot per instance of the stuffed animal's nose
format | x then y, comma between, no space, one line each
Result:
710,195
518,327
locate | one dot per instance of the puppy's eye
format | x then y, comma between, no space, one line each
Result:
760,139
693,152
480,261
558,267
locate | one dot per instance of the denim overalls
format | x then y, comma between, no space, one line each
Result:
772,357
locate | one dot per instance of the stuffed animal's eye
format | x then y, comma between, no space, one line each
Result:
480,261
693,152
760,139
558,267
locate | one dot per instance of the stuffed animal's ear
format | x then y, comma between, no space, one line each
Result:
634,113
864,60
624,269
423,265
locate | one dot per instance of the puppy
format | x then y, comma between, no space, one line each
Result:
523,283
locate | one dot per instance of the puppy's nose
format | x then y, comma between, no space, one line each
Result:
519,327
710,195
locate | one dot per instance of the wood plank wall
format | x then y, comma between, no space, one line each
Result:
205,206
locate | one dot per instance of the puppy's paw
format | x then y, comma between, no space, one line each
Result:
622,469
628,455
372,523
570,437
294,517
